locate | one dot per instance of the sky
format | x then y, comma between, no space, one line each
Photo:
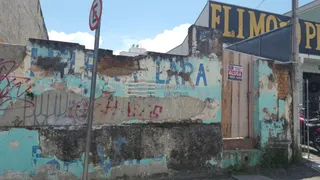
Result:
157,25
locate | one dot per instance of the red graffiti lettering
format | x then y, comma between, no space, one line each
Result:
82,110
115,107
155,114
12,91
130,114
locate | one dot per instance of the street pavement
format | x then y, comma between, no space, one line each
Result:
309,169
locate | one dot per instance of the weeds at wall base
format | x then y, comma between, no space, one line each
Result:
275,158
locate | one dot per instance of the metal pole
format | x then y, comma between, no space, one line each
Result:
91,103
308,143
306,110
295,79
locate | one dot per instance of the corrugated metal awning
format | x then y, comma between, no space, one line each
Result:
275,45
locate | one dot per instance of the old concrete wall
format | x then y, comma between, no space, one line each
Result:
152,113
21,20
273,105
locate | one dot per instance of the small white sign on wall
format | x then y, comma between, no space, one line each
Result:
235,72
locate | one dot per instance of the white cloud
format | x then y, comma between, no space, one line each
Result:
162,42
82,38
166,40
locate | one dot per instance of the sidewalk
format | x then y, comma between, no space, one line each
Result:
303,171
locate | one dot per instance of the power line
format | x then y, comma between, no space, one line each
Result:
259,5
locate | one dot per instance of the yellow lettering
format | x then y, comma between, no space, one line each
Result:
309,35
270,19
240,24
256,28
226,32
318,36
215,19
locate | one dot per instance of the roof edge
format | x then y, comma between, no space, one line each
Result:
191,25
305,7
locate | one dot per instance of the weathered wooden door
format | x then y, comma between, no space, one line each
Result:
237,101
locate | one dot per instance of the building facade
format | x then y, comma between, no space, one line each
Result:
240,23
21,20
208,109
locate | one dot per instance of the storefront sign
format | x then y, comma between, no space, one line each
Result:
235,72
239,23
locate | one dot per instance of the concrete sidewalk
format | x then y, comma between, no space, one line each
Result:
303,171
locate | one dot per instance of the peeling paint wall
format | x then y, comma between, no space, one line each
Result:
152,113
272,104
116,151
54,87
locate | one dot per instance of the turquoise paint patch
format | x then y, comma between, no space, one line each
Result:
238,158
134,121
212,162
264,69
44,51
42,85
267,101
76,166
16,149
269,110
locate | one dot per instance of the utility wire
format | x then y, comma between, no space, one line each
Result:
259,5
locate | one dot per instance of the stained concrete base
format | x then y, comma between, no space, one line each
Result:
250,177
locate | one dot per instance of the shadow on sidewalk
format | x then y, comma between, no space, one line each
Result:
303,171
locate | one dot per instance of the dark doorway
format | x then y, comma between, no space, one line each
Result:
313,92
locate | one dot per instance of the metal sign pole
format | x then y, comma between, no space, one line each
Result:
308,141
94,23
305,114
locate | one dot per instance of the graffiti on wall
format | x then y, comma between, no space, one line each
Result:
13,88
60,107
55,86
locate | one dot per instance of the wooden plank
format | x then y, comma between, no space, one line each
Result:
243,97
235,104
226,96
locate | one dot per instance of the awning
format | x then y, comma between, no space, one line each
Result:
275,45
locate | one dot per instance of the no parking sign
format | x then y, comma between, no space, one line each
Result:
95,14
